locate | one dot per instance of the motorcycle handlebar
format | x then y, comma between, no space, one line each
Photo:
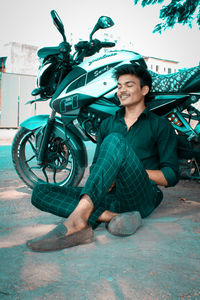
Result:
107,44
94,45
85,48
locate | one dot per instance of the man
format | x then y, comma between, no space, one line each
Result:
136,151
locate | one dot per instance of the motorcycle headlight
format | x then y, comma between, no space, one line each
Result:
42,69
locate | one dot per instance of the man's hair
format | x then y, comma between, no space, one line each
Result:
137,70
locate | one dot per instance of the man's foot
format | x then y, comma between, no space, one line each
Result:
106,216
125,224
58,239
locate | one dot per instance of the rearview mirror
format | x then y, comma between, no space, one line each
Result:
105,22
58,23
102,23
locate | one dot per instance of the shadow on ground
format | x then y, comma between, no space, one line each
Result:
160,261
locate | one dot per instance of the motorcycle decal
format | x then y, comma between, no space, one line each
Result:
99,71
69,103
79,82
102,57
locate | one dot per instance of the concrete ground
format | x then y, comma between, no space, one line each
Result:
160,261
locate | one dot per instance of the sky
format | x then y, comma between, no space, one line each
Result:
29,22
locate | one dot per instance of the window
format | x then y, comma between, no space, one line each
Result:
169,70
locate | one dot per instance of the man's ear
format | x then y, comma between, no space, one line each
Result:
145,90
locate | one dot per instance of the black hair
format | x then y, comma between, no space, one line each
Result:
137,70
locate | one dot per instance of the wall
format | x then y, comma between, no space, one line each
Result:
21,58
15,92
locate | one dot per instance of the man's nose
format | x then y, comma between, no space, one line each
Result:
123,88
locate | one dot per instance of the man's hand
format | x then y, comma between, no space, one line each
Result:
157,176
112,186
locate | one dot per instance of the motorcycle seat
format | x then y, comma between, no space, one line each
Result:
44,52
185,80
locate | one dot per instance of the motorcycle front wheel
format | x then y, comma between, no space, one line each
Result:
61,165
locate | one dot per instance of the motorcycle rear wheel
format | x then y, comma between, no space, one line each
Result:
61,166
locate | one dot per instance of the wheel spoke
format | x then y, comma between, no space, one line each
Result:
45,174
54,175
28,160
63,158
32,146
34,167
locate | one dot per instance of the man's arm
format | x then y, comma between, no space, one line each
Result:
168,175
158,177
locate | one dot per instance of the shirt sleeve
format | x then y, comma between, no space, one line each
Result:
168,152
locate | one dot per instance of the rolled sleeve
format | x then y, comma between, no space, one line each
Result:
167,145
171,176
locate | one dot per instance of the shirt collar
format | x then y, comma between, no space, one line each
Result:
120,113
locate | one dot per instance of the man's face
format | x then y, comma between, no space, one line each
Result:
130,92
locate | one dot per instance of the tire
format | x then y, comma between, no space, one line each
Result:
61,166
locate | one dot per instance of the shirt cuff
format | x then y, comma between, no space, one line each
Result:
170,176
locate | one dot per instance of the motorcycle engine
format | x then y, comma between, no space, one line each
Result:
90,122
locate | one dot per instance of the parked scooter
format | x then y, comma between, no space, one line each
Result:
82,90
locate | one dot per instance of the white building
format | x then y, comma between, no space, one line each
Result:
19,58
161,66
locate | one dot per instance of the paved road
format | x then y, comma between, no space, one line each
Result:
161,261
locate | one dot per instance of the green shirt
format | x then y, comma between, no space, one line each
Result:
152,138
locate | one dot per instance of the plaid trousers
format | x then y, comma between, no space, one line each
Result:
117,162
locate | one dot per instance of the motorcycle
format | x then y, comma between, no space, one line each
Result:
82,90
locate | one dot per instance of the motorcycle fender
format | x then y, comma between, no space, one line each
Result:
35,122
60,131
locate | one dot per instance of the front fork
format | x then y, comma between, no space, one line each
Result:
46,137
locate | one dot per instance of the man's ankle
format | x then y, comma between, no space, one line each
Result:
106,216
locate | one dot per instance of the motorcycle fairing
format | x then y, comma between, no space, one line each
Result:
163,104
100,59
72,103
103,108
97,69
76,73
46,51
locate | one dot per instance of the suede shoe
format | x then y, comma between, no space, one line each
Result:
57,239
125,224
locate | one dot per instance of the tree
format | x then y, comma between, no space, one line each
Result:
177,11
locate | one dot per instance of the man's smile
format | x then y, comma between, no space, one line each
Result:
124,96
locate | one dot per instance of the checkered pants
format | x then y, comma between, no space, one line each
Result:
117,162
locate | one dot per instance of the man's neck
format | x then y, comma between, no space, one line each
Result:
133,112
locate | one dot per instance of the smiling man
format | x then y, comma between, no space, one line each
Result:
136,152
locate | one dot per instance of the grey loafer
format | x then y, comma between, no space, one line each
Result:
125,224
57,239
